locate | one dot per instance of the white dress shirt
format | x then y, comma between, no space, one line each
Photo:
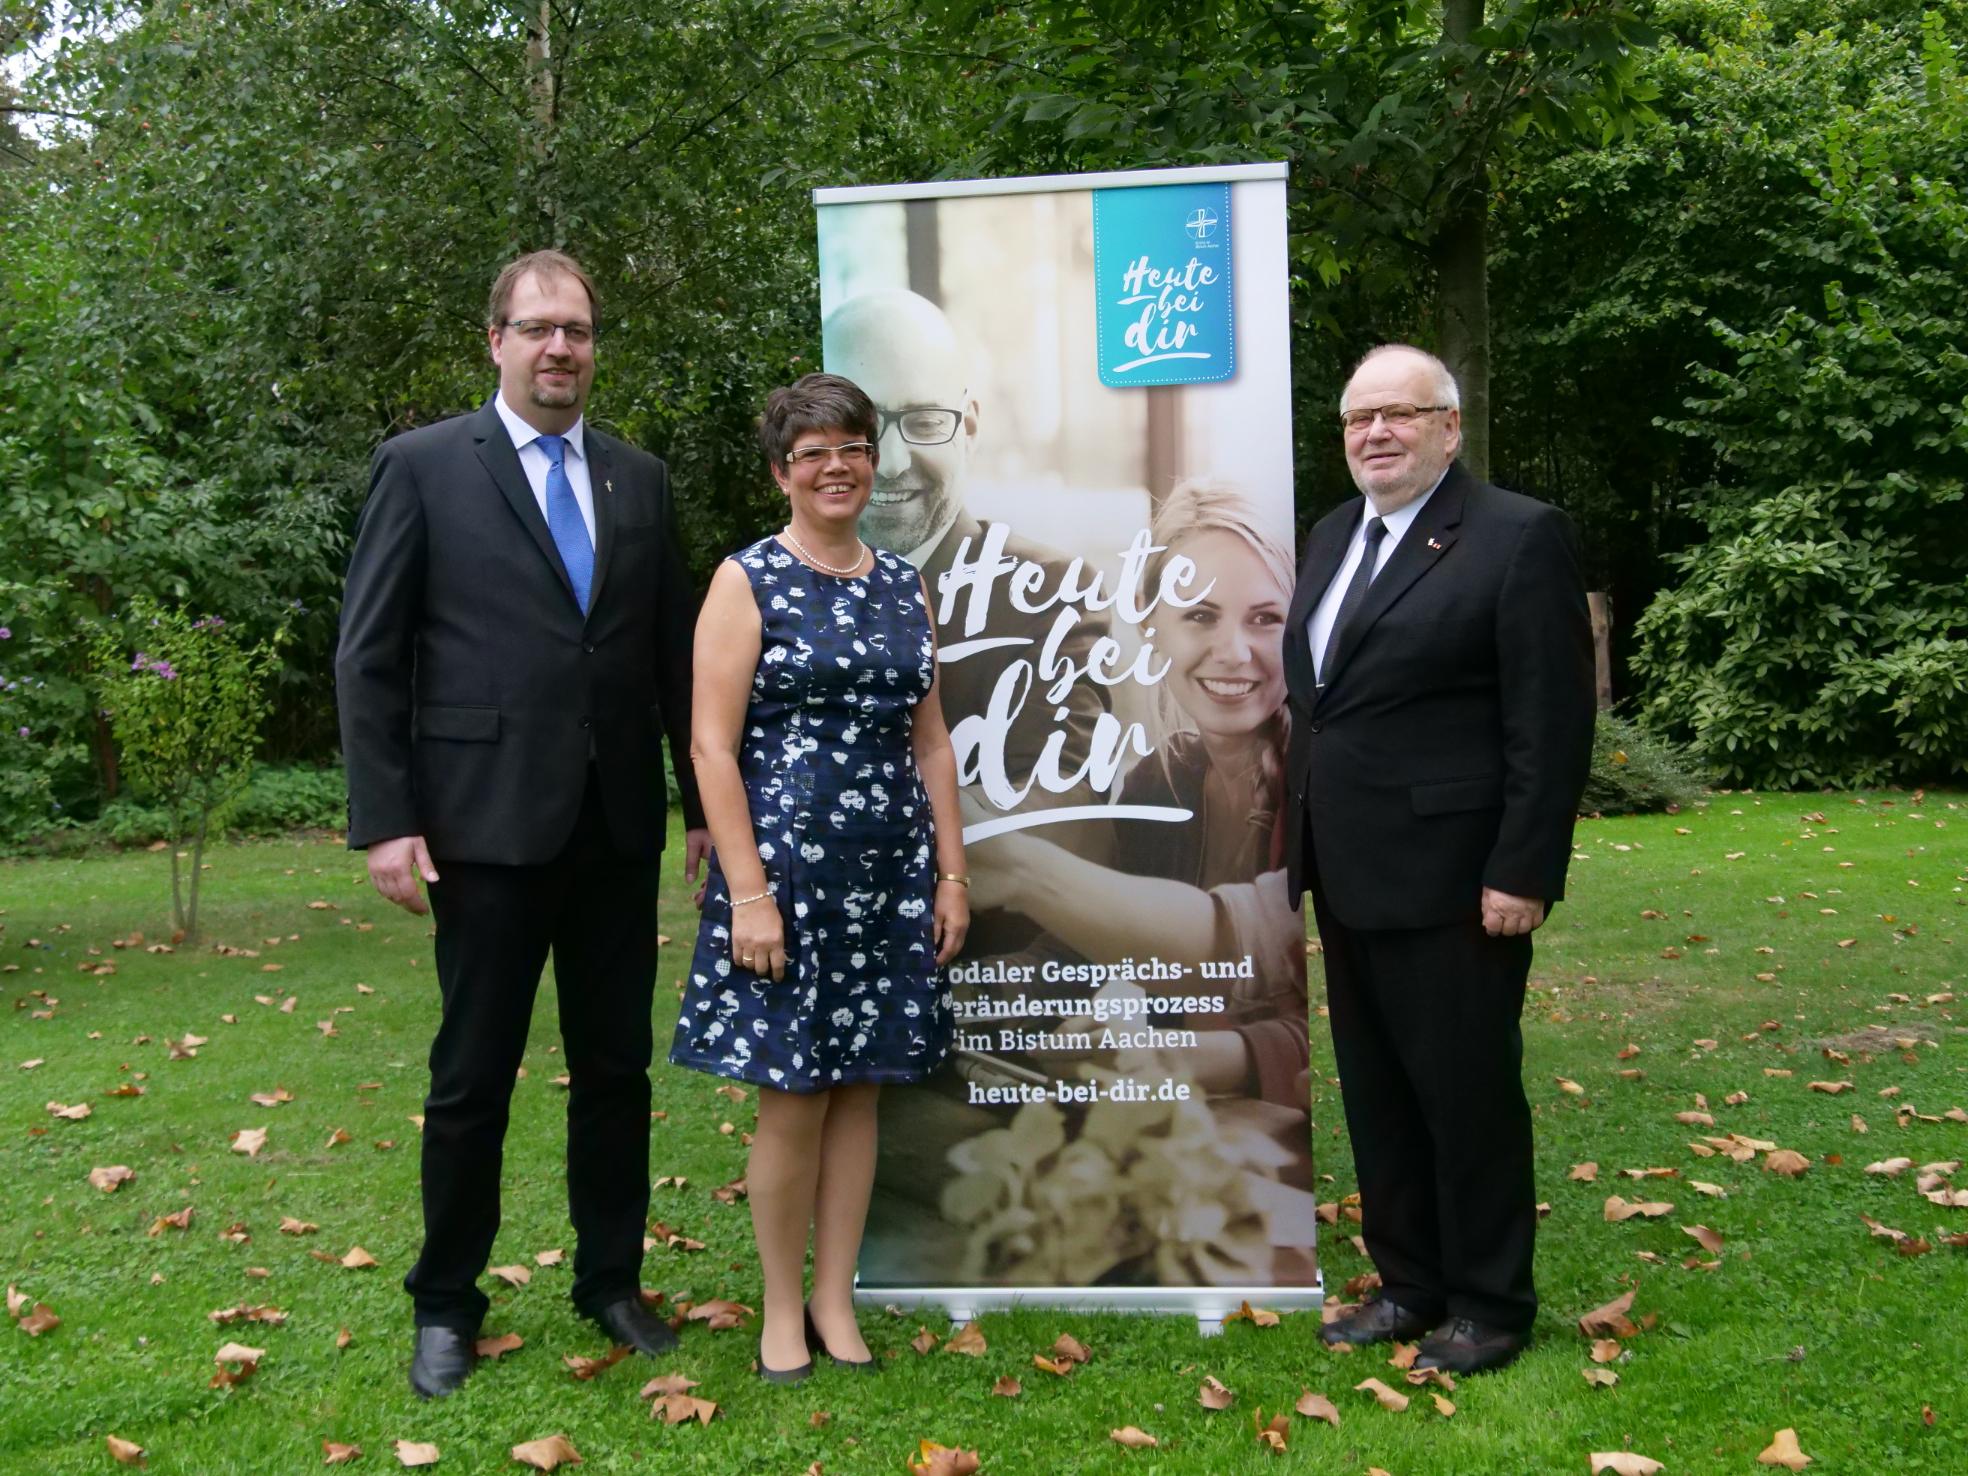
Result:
1318,629
533,461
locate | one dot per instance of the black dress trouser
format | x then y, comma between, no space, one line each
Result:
1425,1031
595,912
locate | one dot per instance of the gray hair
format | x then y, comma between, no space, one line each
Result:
1445,392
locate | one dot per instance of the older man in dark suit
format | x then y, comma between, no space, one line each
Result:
1439,660
515,645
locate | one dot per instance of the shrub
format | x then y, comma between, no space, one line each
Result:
1635,773
185,700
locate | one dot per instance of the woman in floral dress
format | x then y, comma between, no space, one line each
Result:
838,889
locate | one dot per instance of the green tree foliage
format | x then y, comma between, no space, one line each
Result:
185,699
1819,633
257,238
1398,119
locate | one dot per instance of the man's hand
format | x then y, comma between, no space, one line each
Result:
1505,916
395,865
696,851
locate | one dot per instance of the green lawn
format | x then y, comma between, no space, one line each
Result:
1744,968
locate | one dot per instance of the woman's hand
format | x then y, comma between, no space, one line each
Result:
952,919
758,939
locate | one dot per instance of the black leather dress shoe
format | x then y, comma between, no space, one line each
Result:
1460,1346
441,1361
1377,1320
628,1321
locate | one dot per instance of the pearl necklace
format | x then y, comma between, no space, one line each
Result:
861,550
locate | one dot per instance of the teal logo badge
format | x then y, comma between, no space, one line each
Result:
1162,281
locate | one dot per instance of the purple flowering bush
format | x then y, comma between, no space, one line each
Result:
184,698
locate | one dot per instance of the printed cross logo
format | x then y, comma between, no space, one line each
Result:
1201,226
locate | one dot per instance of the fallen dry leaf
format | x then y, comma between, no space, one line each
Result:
1255,1316
1442,1406
1605,1350
179,1221
547,1454
1600,1378
1007,1387
1713,1191
677,1409
1211,1394
291,1226
1060,1366
1785,1161
1404,1355
968,1340
1830,1088
69,1114
1610,1320
1133,1437
942,1460
586,1368
335,1140
511,1275
1569,1087
1317,1407
249,1141
1892,1168
1391,1399
124,1452
719,1314
416,1453
549,1257
924,1340
358,1259
111,1178
1618,1209
41,1319
1584,1173
1271,1435
1706,1238
669,1383
1623,1463
498,1347
1784,1451
1069,1349
334,1453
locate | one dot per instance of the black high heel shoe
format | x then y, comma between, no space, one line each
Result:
814,1340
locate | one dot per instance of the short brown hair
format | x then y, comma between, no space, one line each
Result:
543,264
810,403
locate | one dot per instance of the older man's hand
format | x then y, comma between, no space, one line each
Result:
1505,916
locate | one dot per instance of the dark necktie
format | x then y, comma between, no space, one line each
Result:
564,521
1355,596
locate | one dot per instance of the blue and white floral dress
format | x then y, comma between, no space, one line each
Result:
845,832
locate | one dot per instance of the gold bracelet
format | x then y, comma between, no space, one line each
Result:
756,897
960,878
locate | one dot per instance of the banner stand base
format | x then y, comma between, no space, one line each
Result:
1209,1305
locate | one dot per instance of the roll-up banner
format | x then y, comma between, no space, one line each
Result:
1086,446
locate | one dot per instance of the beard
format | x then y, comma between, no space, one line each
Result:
904,526
551,398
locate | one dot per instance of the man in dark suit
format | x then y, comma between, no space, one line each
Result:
515,645
1439,661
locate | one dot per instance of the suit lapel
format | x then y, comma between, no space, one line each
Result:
1429,536
601,484
1325,551
496,454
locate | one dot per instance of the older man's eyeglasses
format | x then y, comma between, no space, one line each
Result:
541,330
854,453
921,425
1394,417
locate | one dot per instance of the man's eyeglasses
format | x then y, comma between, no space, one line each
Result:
1394,416
854,453
540,330
919,426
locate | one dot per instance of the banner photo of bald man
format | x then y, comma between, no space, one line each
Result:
1083,387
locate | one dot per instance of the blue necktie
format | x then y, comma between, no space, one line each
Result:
564,521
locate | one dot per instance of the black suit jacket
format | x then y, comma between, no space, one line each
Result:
1450,743
472,691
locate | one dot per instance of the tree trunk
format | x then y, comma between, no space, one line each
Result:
543,83
1461,252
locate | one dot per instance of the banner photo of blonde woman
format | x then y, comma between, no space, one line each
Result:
1083,388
